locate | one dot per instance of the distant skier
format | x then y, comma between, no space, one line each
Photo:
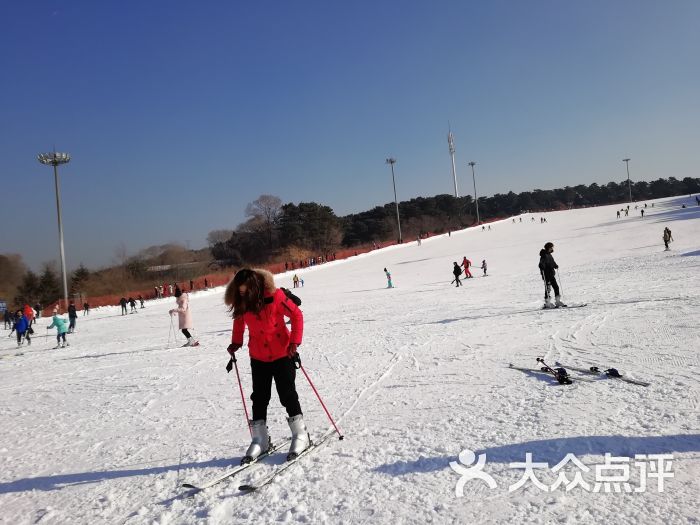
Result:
122,302
184,316
86,308
140,298
667,237
132,303
389,284
548,268
295,281
21,327
642,213
9,320
466,263
60,325
457,271
72,317
255,302
483,266
29,314
618,214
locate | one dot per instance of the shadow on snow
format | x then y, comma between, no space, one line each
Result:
553,451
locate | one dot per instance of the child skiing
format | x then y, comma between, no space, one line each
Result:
255,302
21,326
60,325
184,317
389,284
483,266
467,263
547,269
457,271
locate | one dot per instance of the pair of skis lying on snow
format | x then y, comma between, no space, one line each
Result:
563,377
269,478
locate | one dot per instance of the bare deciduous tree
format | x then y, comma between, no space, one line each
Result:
217,236
267,209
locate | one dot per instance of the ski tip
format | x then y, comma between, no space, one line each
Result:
189,486
246,488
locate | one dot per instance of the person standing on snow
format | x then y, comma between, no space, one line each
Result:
457,271
132,303
467,263
255,302
21,326
122,302
667,237
72,317
184,316
60,325
389,284
548,268
29,314
483,266
86,308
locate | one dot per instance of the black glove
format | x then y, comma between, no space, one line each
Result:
232,349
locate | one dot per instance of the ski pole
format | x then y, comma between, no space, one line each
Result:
170,332
234,361
297,359
561,283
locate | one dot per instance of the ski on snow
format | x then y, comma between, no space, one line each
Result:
236,470
565,379
567,306
609,372
269,478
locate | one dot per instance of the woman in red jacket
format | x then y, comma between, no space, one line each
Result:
256,303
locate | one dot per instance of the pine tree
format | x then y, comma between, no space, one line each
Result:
49,287
28,291
79,279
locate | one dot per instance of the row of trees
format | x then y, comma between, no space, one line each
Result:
276,231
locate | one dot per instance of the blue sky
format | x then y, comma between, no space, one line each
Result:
177,114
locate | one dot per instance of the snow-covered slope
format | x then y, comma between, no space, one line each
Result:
107,430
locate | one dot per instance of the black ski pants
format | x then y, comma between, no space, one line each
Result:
284,374
549,280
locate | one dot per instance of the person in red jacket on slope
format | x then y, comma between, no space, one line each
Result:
467,263
255,302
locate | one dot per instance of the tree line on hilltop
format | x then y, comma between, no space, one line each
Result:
277,232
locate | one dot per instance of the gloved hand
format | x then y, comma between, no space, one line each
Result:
232,348
171,312
292,350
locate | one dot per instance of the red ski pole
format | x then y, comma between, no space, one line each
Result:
240,387
297,359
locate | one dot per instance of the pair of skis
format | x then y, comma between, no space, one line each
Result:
562,375
609,372
267,479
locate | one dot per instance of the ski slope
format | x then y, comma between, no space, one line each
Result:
107,430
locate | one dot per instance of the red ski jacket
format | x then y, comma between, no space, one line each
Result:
268,336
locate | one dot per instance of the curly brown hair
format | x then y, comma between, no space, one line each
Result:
252,299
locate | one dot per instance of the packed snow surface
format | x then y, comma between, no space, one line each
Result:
107,430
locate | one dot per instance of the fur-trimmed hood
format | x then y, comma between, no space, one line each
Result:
269,279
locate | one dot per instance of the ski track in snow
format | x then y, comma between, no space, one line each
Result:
107,430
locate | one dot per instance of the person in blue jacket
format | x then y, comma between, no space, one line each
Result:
61,329
21,326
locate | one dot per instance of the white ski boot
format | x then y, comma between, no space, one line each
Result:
300,436
548,303
261,442
558,303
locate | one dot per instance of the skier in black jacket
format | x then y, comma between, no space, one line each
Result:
548,268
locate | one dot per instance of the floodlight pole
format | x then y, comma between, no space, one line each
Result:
451,144
629,184
54,159
391,161
476,200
